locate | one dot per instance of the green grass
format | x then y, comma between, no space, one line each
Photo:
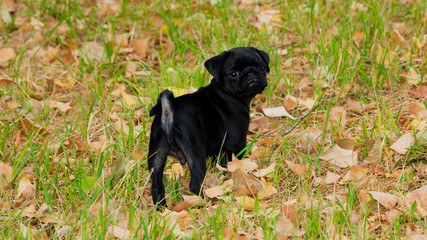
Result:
84,190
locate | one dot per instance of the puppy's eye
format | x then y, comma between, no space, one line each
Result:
263,69
234,74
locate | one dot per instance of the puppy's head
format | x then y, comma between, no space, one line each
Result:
241,71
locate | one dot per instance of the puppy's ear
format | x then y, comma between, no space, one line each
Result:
264,57
214,65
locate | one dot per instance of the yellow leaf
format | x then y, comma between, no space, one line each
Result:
246,202
68,84
130,101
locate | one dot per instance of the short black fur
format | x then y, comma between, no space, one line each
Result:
214,120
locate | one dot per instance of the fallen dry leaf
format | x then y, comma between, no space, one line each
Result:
50,55
331,178
309,140
259,152
266,172
286,227
118,232
339,114
93,51
375,170
420,92
262,125
246,202
63,231
6,54
355,173
63,107
290,103
375,154
277,112
297,168
412,77
347,143
385,199
340,157
397,173
246,165
420,196
418,109
230,234
140,46
404,142
26,190
219,190
29,211
246,183
267,191
189,201
101,144
5,174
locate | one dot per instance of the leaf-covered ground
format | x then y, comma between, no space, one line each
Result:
77,79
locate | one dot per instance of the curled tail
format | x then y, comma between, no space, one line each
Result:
165,108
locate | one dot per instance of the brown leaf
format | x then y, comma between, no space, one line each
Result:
50,55
26,190
404,142
30,127
374,155
29,211
93,51
246,202
140,46
220,190
340,157
331,178
259,153
385,199
286,227
230,234
355,173
6,83
246,183
420,196
338,114
309,141
290,103
375,170
101,144
262,125
420,92
63,107
397,173
117,231
347,143
417,109
246,165
267,191
6,54
189,201
297,168
266,172
72,142
5,174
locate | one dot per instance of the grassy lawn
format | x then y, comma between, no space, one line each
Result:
78,78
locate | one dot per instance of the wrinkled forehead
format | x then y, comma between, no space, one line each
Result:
239,59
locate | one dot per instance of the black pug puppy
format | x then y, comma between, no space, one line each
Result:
210,122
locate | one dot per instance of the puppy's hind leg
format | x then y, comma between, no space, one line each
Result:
196,159
157,155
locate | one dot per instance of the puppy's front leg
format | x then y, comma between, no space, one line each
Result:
157,155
